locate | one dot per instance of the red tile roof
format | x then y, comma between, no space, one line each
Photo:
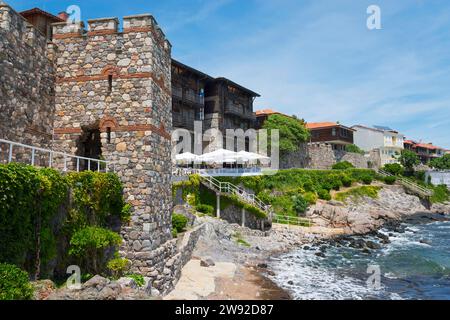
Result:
427,146
266,112
316,125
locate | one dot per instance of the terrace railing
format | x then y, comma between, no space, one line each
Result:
228,188
409,184
17,152
292,221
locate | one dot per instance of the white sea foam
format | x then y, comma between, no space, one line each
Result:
310,281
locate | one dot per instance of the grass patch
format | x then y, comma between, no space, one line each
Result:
240,240
440,194
357,193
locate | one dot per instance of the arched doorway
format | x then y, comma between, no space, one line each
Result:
89,145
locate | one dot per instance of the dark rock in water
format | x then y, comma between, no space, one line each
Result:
357,243
291,283
382,236
373,245
306,248
387,241
391,235
262,266
320,254
323,249
366,251
424,241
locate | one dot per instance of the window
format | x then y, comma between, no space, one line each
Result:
333,132
110,80
108,135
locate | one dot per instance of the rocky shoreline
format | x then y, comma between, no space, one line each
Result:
355,224
231,262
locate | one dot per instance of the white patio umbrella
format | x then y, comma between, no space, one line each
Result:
186,157
250,156
218,156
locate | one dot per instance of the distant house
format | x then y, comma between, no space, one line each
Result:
335,134
425,151
43,20
263,115
389,142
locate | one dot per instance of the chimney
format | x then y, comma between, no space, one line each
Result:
63,15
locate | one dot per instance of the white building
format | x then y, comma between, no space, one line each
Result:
390,143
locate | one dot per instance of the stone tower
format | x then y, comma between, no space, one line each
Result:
113,99
26,82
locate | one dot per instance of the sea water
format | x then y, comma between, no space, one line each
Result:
415,265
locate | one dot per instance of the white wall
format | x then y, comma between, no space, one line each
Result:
439,177
367,139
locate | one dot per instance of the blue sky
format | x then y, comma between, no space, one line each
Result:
313,58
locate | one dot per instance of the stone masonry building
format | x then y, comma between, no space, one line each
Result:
103,93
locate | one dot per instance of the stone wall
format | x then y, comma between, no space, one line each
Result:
26,81
234,214
119,84
323,157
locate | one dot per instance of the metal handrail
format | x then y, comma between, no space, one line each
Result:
227,187
52,154
296,221
408,183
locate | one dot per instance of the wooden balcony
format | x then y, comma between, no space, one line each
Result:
183,121
239,111
187,96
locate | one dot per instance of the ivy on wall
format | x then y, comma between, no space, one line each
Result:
41,210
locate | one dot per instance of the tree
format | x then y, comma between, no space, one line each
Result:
292,132
409,159
442,163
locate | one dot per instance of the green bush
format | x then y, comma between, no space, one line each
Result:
440,194
310,197
344,165
174,233
442,163
300,205
14,283
390,180
359,192
89,246
206,209
395,169
336,184
139,279
118,267
324,194
179,222
347,181
367,179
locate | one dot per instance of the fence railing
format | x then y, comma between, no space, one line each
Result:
231,189
36,156
409,184
292,221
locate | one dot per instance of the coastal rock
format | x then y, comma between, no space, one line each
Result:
43,289
373,245
207,263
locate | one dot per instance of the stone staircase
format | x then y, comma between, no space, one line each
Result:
409,185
